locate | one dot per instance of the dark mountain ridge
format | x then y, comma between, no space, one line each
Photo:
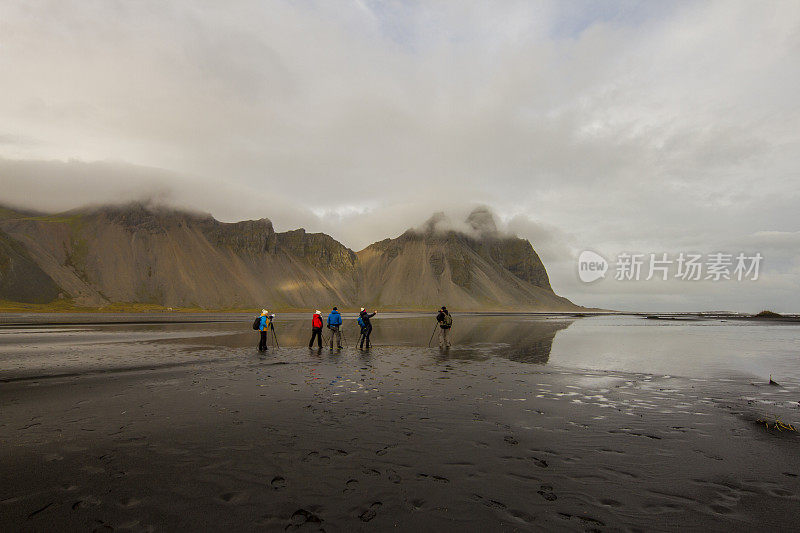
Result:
473,267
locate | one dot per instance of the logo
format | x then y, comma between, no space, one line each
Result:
591,266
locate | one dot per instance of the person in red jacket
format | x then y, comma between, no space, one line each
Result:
316,329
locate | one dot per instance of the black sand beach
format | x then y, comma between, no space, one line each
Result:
145,427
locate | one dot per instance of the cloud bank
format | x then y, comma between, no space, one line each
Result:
612,126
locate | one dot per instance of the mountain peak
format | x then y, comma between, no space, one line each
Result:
435,223
478,224
482,220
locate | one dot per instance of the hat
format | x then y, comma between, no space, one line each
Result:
362,308
264,312
318,312
444,308
335,308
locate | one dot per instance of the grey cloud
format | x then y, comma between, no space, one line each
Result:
624,126
55,186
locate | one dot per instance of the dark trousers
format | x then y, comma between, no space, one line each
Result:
365,336
262,342
315,332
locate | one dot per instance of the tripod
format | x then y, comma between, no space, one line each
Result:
274,336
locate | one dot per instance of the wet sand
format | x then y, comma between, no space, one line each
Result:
189,428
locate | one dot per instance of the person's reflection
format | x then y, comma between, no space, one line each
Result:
365,356
335,355
443,354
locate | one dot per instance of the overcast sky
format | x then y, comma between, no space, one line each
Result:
610,126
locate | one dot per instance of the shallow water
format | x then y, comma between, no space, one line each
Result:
703,349
713,348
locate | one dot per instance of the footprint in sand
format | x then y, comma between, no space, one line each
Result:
310,456
546,492
130,503
417,504
233,497
521,515
393,476
585,520
438,479
301,517
41,509
370,513
492,504
720,509
278,483
541,463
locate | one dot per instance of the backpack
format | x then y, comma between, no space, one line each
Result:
448,321
257,323
361,322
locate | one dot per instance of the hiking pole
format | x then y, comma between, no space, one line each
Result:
432,334
341,330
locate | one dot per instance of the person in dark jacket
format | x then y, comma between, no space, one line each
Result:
263,327
366,329
335,325
445,323
316,329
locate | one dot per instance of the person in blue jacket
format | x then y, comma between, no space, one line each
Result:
335,325
266,318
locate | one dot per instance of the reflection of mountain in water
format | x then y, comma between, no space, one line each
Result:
524,341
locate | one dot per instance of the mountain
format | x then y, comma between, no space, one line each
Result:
465,266
145,254
21,279
140,254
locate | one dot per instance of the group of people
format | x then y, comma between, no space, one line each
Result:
335,325
264,323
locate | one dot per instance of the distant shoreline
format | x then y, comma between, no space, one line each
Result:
139,308
98,316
